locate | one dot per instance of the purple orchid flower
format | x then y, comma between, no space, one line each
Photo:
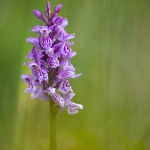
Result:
51,66
30,81
65,87
39,93
72,107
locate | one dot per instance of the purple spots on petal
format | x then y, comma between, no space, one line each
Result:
58,99
42,75
64,87
53,62
45,42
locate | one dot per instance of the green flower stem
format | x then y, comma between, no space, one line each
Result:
52,125
56,110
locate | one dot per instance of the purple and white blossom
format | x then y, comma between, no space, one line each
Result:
65,87
53,62
50,61
73,108
30,81
58,99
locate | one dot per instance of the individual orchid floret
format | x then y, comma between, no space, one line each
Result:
35,55
73,108
45,40
32,54
42,75
58,99
52,62
29,80
66,51
38,72
40,94
34,42
41,29
64,87
59,26
63,47
65,63
64,38
68,73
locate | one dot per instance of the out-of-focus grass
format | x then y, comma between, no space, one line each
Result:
112,42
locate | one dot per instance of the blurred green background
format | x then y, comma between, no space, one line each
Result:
113,45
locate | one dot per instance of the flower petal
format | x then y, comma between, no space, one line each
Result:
68,73
31,88
58,99
39,93
29,80
36,29
64,87
26,78
45,42
42,75
53,62
73,108
34,41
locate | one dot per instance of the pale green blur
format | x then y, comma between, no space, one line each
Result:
113,54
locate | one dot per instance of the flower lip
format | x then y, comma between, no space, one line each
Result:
53,62
73,108
58,99
45,41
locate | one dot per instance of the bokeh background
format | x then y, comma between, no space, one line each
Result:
113,45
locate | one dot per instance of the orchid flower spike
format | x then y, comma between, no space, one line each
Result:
51,61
